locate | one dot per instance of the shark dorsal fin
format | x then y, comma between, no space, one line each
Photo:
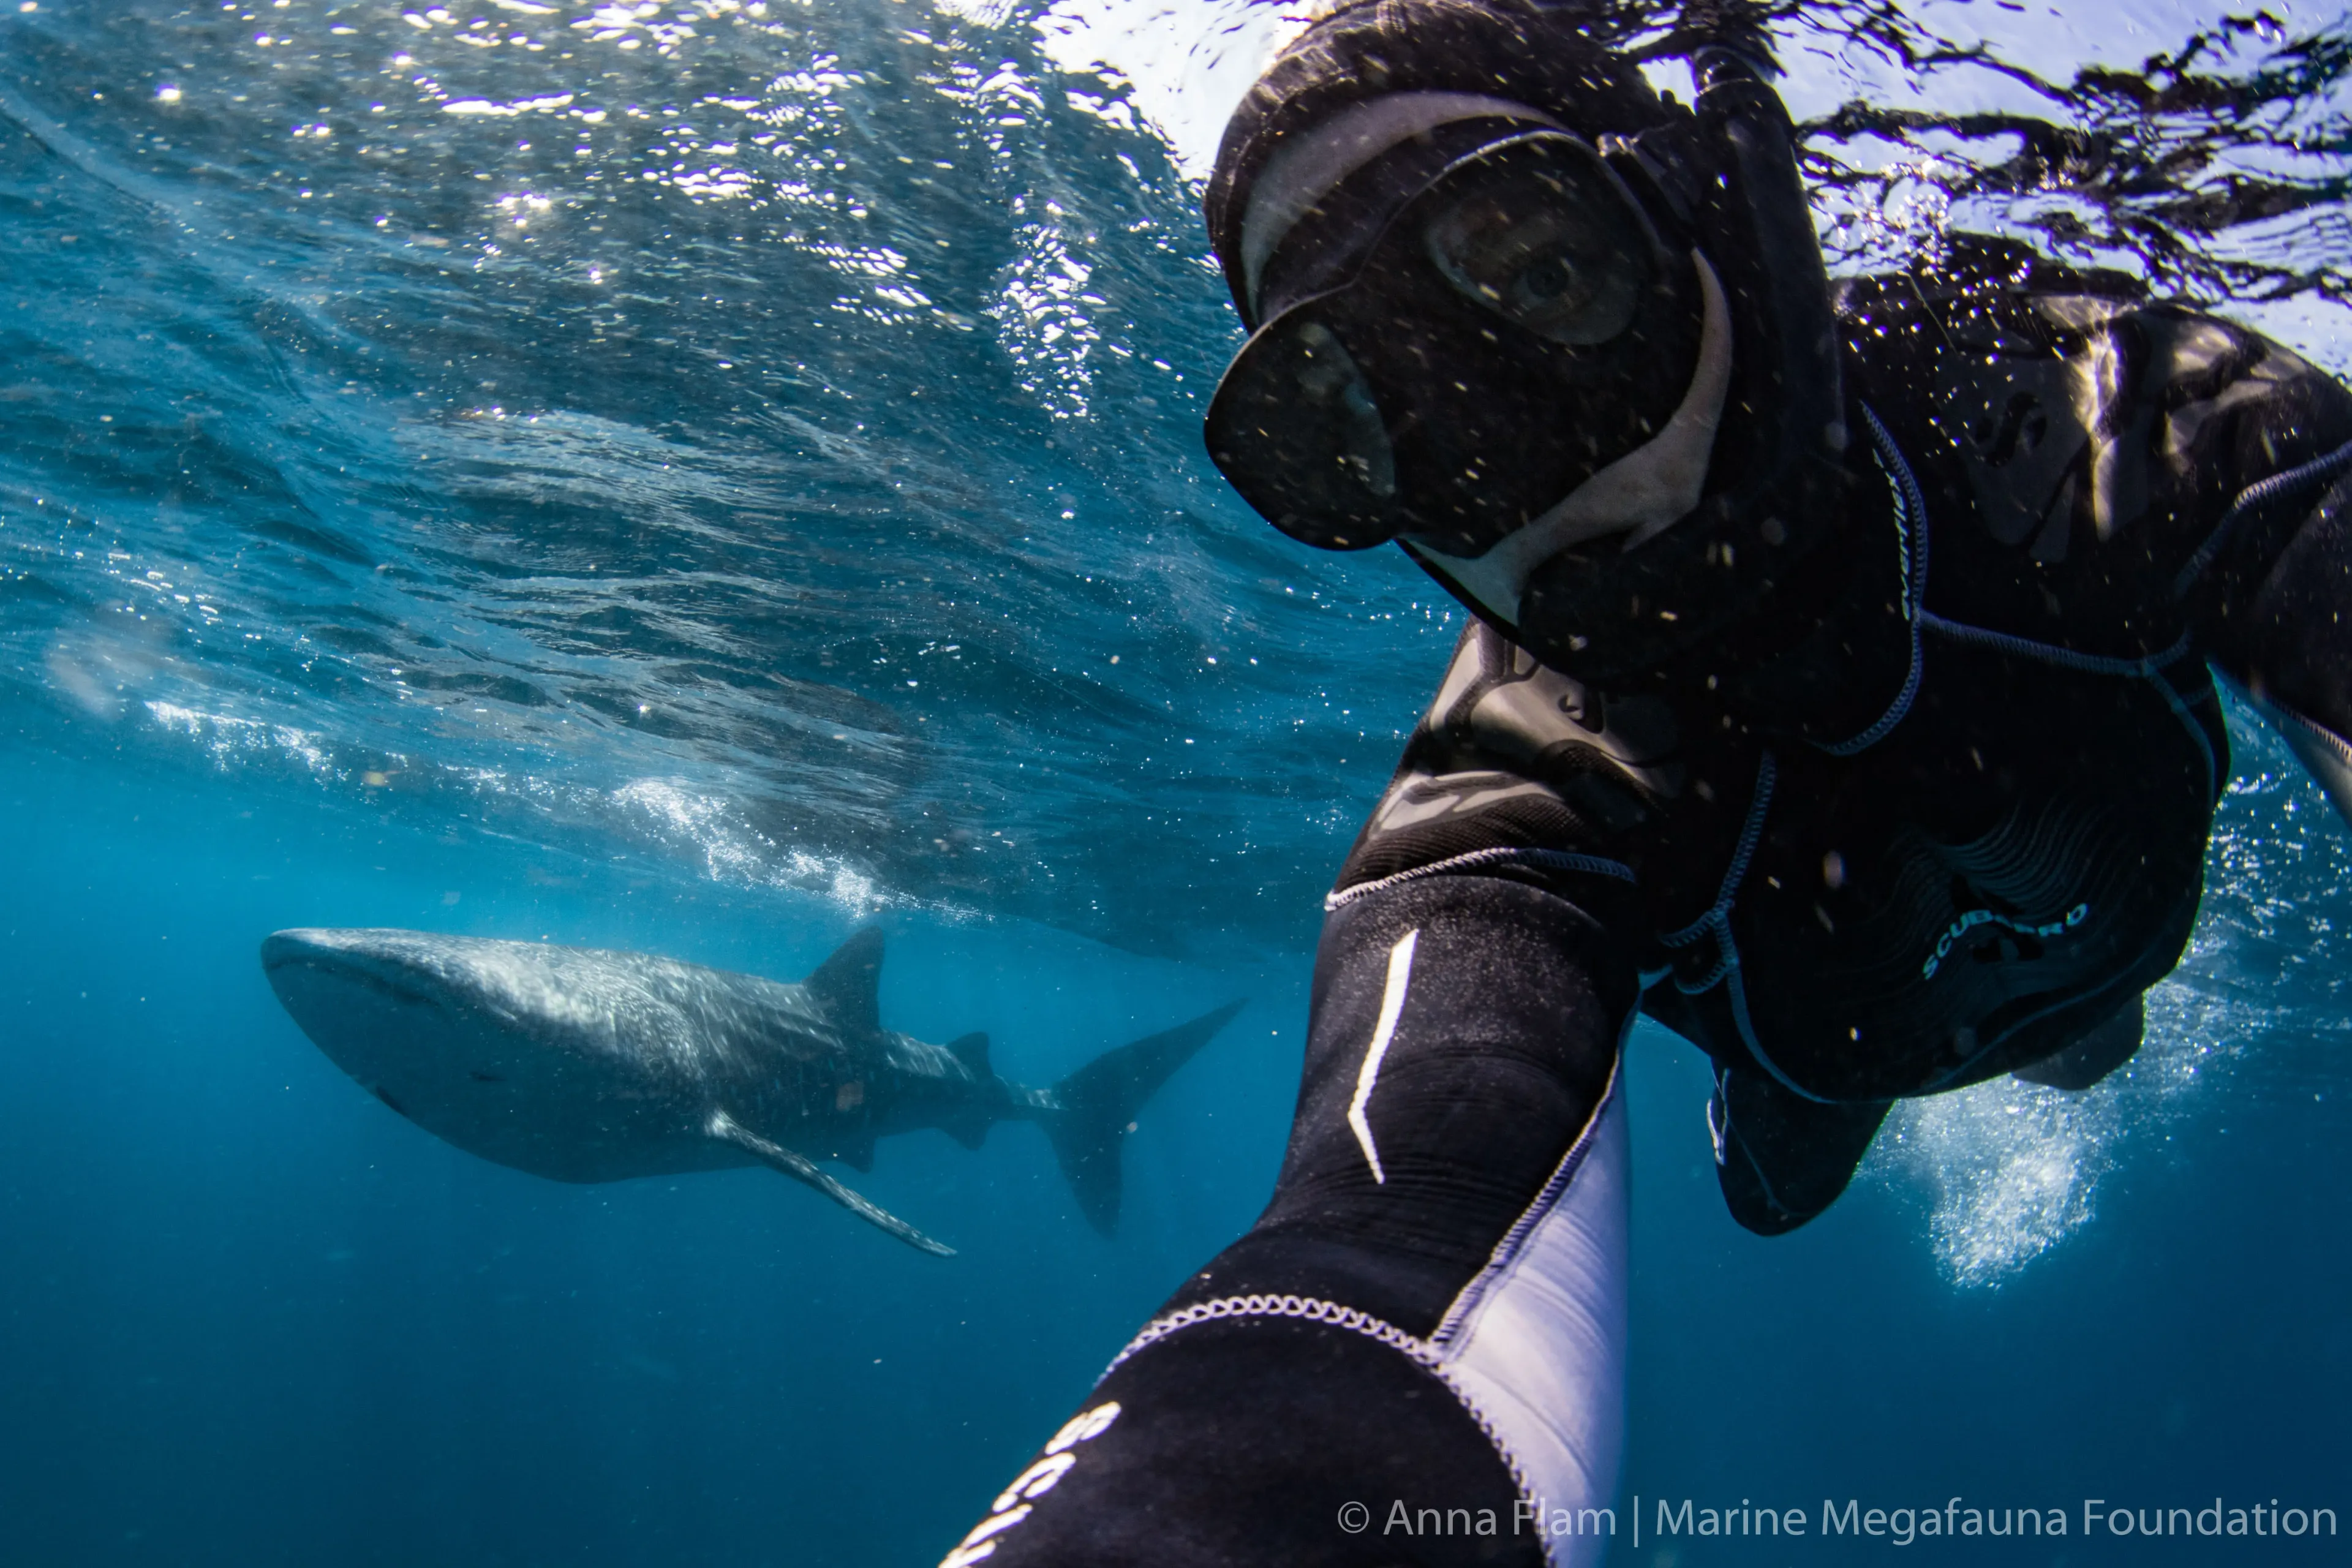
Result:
972,1051
846,984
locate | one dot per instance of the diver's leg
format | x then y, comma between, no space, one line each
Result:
1782,1159
1430,1314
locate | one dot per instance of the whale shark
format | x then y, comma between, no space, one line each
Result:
585,1065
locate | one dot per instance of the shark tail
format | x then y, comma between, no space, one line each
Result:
1094,1109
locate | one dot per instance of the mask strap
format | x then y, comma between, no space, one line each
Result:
1310,167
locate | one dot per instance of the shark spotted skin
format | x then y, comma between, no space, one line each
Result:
584,1065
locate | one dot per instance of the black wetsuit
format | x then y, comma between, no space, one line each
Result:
1955,825
1947,822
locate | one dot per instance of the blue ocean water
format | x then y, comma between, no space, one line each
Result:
699,478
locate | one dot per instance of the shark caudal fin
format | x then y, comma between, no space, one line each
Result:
1094,1109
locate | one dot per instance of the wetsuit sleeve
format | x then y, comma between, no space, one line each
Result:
2271,583
1429,1315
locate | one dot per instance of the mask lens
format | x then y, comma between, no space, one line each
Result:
1293,425
1546,242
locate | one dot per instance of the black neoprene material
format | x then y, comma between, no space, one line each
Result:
1976,834
1518,50
1782,1159
1500,1056
1237,1444
2291,642
2089,1061
2074,498
1238,1438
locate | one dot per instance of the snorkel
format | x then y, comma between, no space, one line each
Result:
1775,485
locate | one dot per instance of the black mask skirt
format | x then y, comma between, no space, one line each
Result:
1456,336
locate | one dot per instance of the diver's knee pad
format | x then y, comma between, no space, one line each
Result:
1418,1351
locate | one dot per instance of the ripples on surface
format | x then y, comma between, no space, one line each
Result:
767,436
768,429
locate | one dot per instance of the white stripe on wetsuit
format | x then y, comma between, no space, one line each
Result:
1392,1008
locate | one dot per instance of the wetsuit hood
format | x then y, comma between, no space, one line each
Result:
1538,57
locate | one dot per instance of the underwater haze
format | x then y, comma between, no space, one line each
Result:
701,477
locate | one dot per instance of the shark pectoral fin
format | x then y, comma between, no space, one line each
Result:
775,1156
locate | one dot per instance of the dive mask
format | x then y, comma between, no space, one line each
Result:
1571,347
1456,334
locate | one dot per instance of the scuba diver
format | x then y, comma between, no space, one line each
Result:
1838,691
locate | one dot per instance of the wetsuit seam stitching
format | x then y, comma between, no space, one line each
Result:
2334,743
2252,496
1716,922
2141,669
1507,1252
1315,1309
1716,919
1549,859
2149,668
1911,522
1305,1308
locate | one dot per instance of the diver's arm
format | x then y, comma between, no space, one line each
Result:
2272,578
1430,1313
2294,659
